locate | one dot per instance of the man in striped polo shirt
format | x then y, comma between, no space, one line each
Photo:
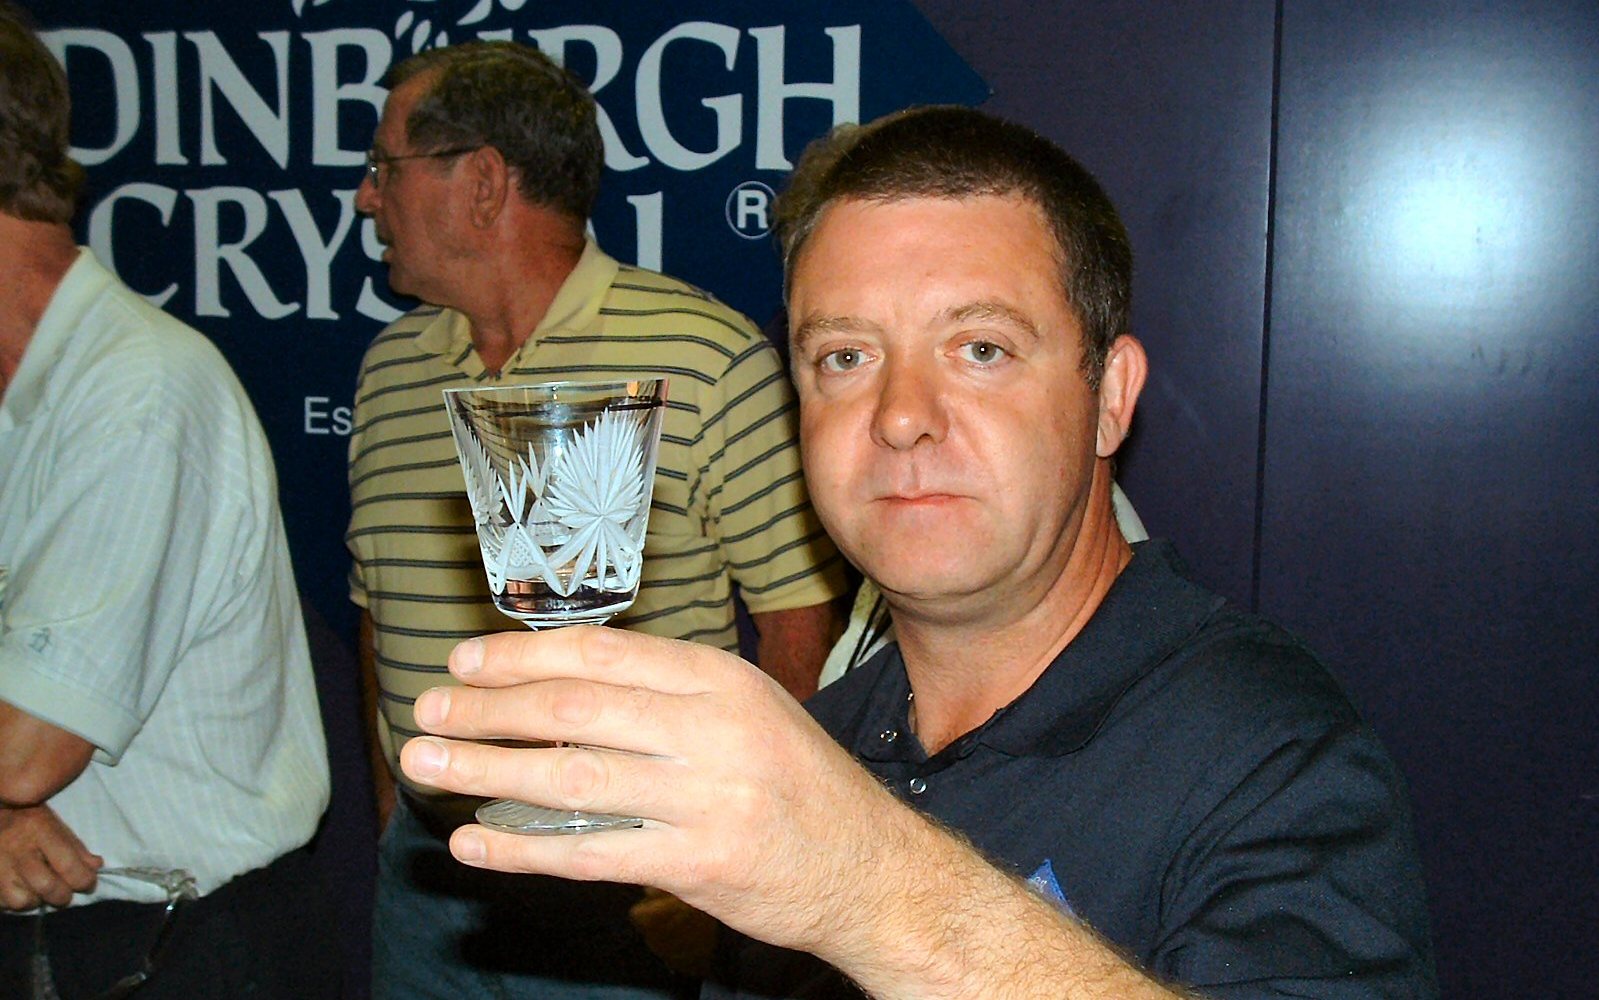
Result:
483,170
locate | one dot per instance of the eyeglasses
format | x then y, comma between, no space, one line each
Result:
180,889
376,160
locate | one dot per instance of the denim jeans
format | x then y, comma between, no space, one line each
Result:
445,930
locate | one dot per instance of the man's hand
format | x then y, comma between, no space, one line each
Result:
755,815
41,861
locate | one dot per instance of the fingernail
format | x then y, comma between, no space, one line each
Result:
468,658
468,848
431,707
427,758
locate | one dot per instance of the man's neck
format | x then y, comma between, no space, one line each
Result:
508,297
961,674
34,257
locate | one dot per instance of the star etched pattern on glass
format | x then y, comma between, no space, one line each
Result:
560,501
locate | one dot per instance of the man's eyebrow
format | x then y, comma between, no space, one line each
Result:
820,326
989,311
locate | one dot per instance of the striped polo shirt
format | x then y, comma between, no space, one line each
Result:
729,507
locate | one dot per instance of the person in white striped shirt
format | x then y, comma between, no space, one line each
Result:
162,763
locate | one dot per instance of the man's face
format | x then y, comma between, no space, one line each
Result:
948,434
413,204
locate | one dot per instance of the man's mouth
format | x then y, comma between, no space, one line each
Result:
920,498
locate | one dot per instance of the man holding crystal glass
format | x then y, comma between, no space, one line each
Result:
1075,773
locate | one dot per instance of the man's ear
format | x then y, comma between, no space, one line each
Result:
1126,367
491,181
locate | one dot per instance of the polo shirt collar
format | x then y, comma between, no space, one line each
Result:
1146,615
447,334
79,288
575,307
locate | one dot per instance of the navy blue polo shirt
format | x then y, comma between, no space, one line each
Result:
1186,779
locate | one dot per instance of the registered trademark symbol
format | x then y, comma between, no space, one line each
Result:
749,210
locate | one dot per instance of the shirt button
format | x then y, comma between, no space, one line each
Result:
917,786
888,736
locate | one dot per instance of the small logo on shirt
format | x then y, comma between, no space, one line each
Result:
1047,885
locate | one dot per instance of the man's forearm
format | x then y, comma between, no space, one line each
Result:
794,643
37,759
974,931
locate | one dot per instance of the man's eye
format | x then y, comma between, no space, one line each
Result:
843,359
983,352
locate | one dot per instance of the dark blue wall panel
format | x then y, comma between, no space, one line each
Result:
1431,516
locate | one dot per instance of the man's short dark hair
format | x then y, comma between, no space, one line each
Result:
958,152
515,98
38,180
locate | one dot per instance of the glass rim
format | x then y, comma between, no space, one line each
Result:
648,386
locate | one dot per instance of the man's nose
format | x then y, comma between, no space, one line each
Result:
910,406
366,195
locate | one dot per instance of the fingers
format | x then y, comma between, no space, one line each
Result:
596,686
628,856
608,655
41,860
580,778
16,889
32,880
16,895
44,881
73,866
637,719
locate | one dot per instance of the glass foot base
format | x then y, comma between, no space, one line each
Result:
512,816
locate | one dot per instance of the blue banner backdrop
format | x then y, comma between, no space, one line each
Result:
225,141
